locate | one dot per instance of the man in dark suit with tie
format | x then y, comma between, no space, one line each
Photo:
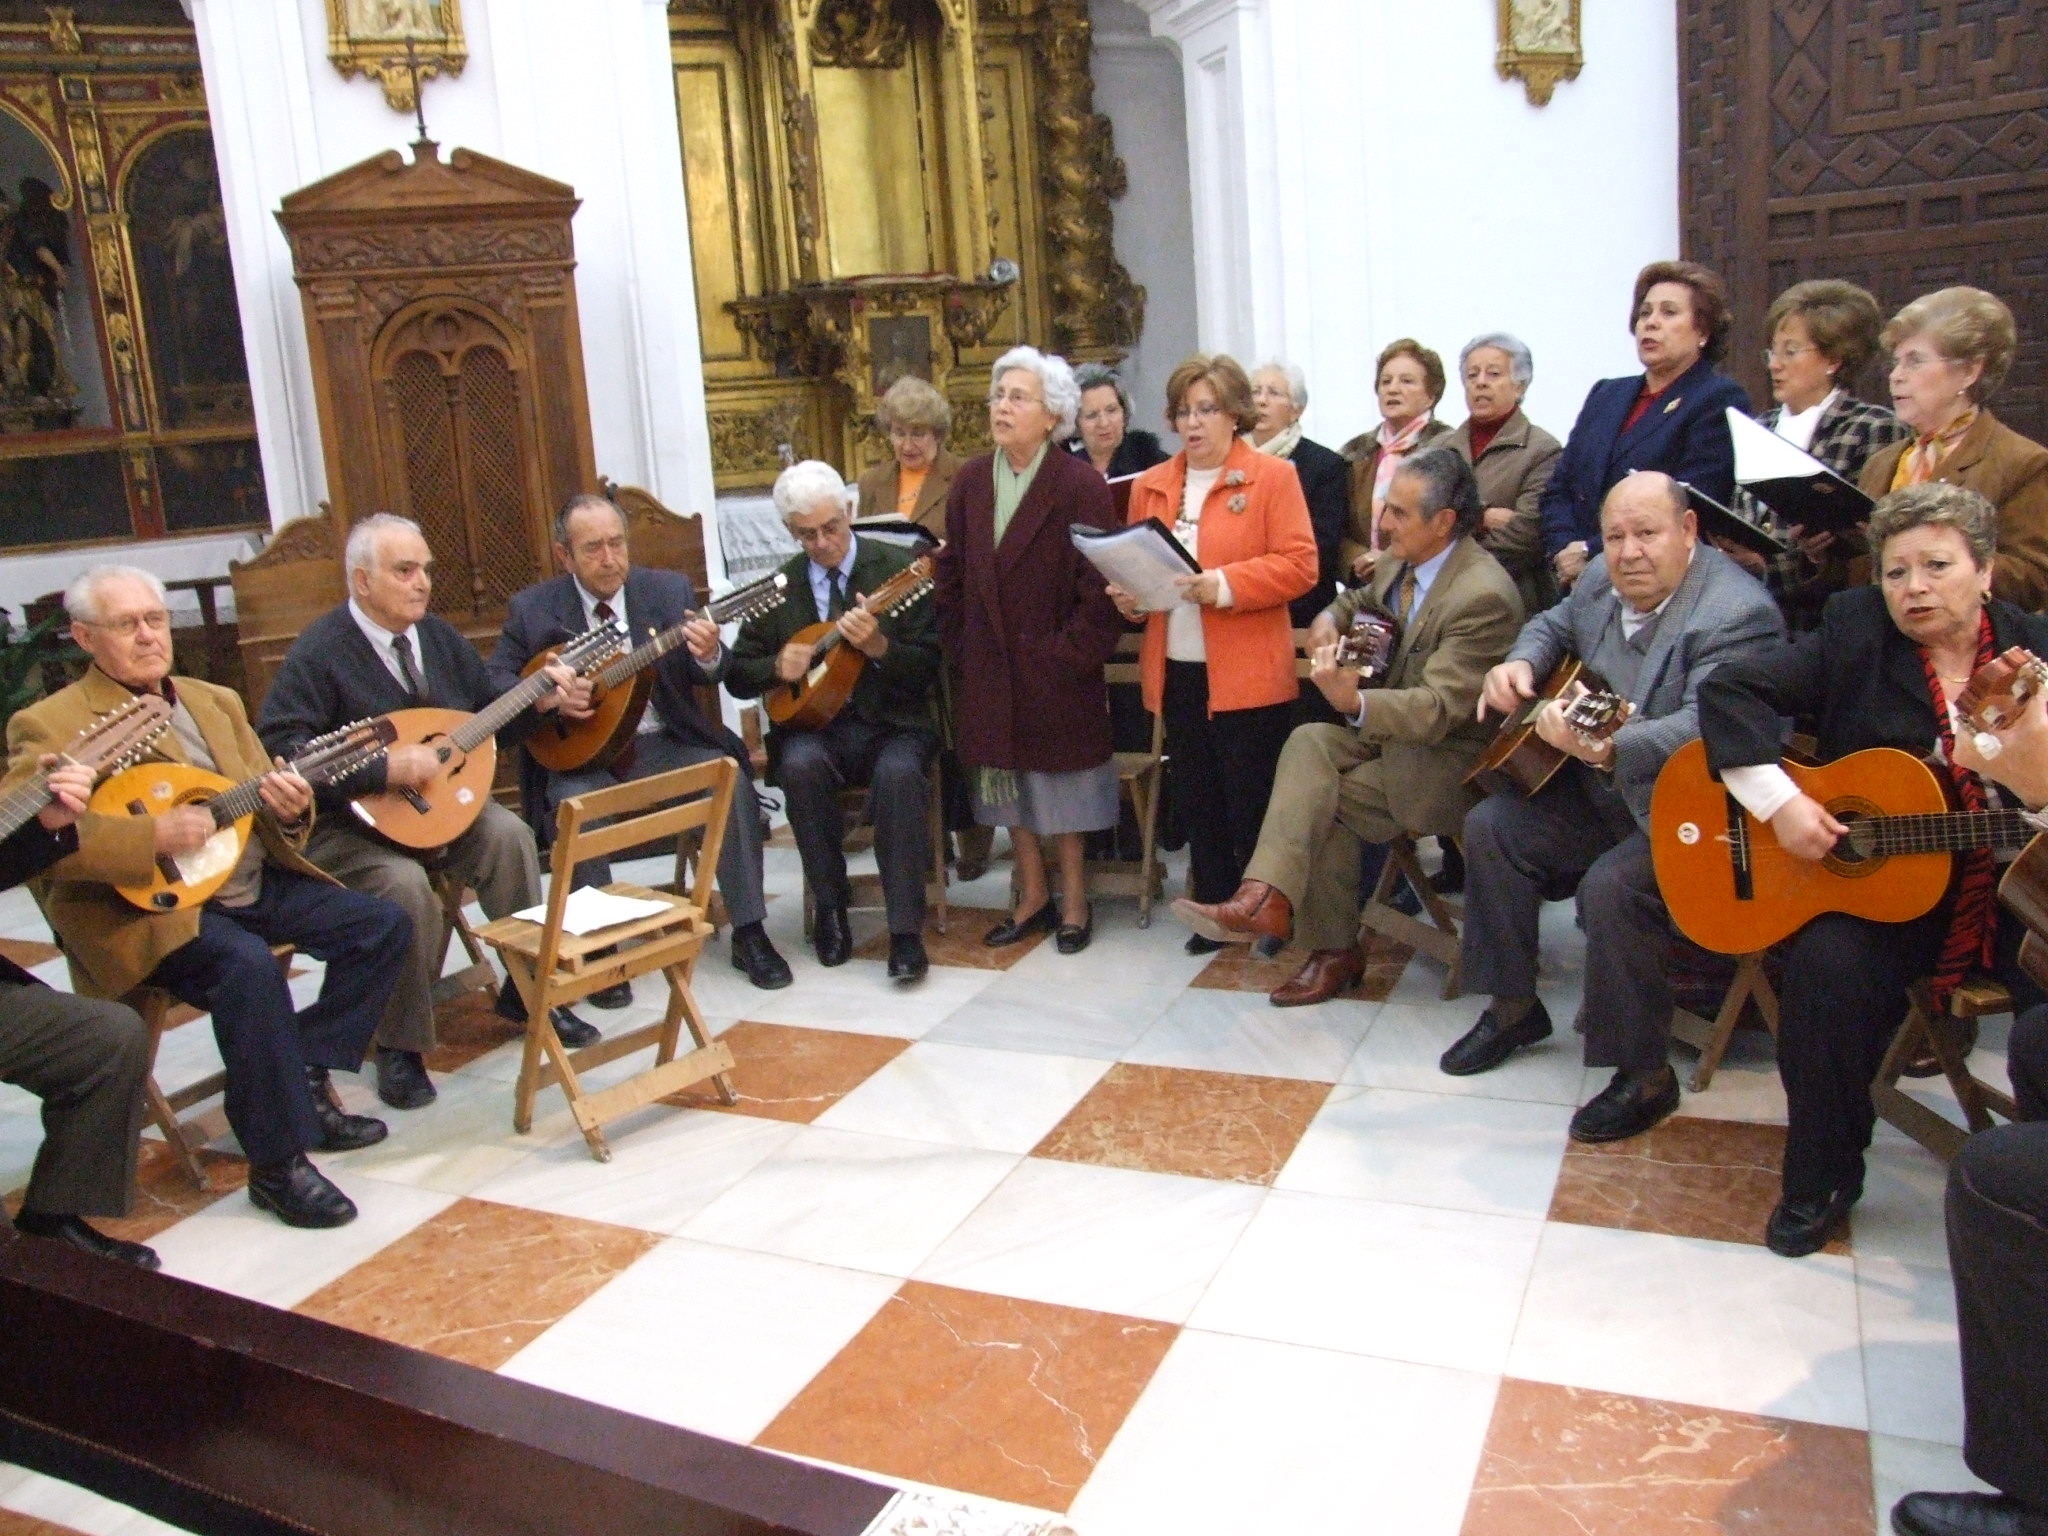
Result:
884,737
380,652
601,585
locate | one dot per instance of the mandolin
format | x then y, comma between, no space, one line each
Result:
1518,761
109,744
813,700
1732,889
1997,694
566,745
434,814
150,789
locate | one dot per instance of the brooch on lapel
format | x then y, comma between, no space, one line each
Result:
1237,503
1235,477
1674,405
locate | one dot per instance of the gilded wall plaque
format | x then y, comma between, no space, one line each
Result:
368,37
1539,45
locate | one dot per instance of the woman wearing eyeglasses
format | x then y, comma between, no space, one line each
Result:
913,481
1219,665
1950,352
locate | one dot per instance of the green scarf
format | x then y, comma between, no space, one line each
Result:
1011,485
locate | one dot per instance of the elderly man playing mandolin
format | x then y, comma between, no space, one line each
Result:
1652,616
216,956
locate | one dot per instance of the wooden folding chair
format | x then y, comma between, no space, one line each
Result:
864,892
1437,938
1927,1026
552,968
1711,1039
1142,777
455,927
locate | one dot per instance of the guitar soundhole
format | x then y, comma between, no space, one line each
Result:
1854,856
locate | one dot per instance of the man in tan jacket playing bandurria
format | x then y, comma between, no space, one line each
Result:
1399,766
217,957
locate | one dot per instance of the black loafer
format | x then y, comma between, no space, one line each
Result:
1805,1224
1628,1106
1266,947
341,1131
907,959
1489,1042
76,1232
831,936
618,995
1013,931
1202,944
1966,1514
752,953
1072,938
574,1033
299,1195
402,1080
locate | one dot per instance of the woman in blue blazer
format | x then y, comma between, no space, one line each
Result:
1669,418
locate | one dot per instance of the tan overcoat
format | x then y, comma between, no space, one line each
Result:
878,492
1512,473
2010,472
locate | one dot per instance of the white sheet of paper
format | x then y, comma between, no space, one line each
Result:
1137,560
589,909
1760,454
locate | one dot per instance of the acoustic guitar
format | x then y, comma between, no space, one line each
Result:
615,711
434,814
813,700
108,745
1368,645
1518,761
1731,888
150,789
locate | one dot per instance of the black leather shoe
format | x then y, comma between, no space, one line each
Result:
1072,938
1266,947
341,1131
510,1005
1966,1514
907,959
574,1033
299,1195
618,995
402,1080
831,936
1489,1042
1010,931
1202,944
752,953
1628,1106
75,1231
1804,1224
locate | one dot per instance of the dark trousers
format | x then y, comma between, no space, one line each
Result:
1223,767
739,856
265,1043
85,1059
1998,1251
814,766
1520,852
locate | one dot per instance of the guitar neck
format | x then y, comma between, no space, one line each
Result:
500,712
642,657
20,804
1944,831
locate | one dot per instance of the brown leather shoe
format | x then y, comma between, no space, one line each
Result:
1257,910
1326,973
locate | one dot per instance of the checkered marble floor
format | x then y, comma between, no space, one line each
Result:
1107,1238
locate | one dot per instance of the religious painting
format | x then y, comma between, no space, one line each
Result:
192,328
49,352
370,37
1539,45
900,345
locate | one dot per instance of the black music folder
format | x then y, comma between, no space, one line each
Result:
1719,522
1804,492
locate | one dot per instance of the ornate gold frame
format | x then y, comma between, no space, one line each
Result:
383,59
1539,70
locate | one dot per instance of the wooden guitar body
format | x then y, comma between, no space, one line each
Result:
563,746
150,789
2024,888
1518,761
1701,838
433,814
810,703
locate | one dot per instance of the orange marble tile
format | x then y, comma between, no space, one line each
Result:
164,1196
479,1282
1209,1125
13,1523
782,1072
28,953
961,943
1688,1177
467,1027
1007,1399
1561,1461
1239,969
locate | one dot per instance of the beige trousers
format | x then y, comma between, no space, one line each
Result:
1327,803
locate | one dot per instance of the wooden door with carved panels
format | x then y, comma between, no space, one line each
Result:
1901,144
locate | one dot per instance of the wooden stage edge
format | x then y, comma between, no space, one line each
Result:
231,1418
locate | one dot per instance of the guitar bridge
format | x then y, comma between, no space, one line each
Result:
1738,850
415,799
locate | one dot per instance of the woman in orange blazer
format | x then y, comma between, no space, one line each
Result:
1219,666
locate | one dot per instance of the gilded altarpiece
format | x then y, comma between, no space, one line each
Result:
124,397
881,187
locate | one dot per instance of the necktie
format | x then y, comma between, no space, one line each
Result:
837,605
401,647
604,613
1405,602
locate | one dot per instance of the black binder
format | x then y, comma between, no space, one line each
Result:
1719,522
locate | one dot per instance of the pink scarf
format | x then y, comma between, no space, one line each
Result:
1392,450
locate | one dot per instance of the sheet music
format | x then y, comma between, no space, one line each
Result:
1143,559
1760,454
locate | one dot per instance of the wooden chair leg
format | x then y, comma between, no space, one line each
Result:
1711,1039
1437,938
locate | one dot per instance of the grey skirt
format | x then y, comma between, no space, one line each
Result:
1084,800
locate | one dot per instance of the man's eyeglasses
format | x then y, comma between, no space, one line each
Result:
128,623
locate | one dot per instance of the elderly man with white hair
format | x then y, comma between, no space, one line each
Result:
377,653
884,738
1280,395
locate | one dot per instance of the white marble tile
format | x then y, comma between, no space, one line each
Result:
462,1139
705,1337
21,1136
661,1174
1470,1154
1404,1282
1003,1101
1108,1239
1900,1214
1236,1436
79,1509
862,1202
1406,1040
1900,1466
1219,1031
234,1247
1724,1325
857,996
1100,1019
1121,951
1912,1370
